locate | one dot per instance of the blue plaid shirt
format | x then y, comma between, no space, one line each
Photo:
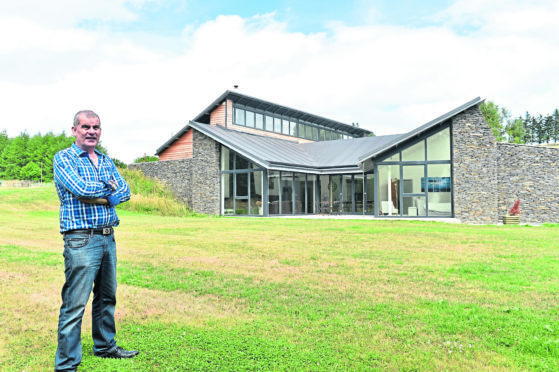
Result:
75,177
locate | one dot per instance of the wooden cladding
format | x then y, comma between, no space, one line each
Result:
222,113
180,149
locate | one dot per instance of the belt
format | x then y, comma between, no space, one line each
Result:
102,231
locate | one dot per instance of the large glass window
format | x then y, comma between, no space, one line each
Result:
256,186
227,194
315,133
300,188
347,194
241,185
370,189
273,192
311,193
415,152
358,182
438,145
293,129
227,159
239,116
302,129
426,185
269,123
259,121
439,187
336,194
249,121
241,163
285,126
413,174
389,189
308,132
286,193
277,125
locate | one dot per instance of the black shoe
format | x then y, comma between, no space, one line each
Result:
119,353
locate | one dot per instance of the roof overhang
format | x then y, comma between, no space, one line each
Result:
259,104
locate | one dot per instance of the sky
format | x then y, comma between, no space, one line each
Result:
149,66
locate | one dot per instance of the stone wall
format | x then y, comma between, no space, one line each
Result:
204,169
531,174
474,168
195,181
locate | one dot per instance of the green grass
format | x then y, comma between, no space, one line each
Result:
151,197
249,294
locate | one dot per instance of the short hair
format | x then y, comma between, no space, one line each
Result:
88,113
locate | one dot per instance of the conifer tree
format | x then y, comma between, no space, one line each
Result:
493,115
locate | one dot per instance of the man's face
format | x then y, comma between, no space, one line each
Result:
87,132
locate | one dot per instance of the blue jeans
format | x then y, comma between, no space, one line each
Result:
88,260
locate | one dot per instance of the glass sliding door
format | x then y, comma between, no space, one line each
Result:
358,193
335,194
273,192
227,194
241,193
438,186
311,193
389,190
286,193
299,181
347,194
256,186
413,201
370,190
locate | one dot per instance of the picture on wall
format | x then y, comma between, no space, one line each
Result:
436,184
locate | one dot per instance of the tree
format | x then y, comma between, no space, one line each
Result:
515,130
15,157
146,159
4,140
494,117
529,129
556,126
119,164
31,172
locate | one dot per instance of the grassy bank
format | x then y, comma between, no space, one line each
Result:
236,294
150,196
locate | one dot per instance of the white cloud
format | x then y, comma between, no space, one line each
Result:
388,78
65,13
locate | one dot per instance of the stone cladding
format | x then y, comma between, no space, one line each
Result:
474,168
531,174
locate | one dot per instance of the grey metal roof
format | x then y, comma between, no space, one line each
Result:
313,157
243,99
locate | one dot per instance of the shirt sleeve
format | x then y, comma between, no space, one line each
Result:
122,193
66,174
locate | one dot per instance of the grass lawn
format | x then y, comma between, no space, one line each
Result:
236,294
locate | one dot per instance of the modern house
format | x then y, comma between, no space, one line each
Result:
243,156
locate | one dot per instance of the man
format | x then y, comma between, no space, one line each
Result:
89,187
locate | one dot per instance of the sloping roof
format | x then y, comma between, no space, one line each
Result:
243,99
340,156
314,157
